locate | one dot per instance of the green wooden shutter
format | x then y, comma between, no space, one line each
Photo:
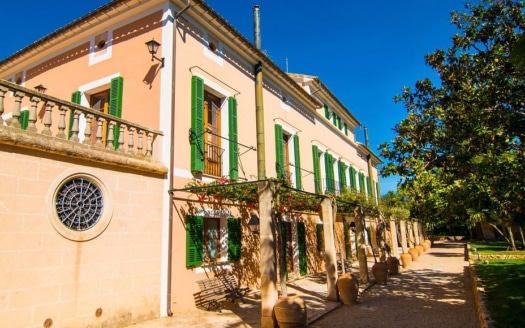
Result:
327,171
301,243
339,123
369,185
298,178
353,183
279,152
197,124
332,173
334,119
194,240
362,183
234,147
317,169
326,112
75,98
345,127
330,184
320,238
342,176
378,191
115,105
23,119
234,239
348,242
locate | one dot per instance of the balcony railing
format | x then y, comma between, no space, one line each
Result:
213,159
134,139
332,186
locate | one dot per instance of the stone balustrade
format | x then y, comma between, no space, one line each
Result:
133,139
96,142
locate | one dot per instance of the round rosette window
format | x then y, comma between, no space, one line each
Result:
80,208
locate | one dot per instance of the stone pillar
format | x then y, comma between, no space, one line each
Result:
373,233
393,238
410,236
416,233
329,248
269,294
361,245
403,228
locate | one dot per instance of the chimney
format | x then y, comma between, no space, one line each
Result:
257,26
366,137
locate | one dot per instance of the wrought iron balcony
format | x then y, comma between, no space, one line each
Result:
213,159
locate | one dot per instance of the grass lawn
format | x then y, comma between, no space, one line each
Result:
503,280
494,247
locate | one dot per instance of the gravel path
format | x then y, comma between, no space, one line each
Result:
435,291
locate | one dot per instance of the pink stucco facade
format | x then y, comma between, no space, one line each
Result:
135,267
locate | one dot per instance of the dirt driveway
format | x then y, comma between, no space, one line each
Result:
434,292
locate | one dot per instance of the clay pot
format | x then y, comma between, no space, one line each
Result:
420,250
429,243
414,253
426,247
348,288
392,264
406,260
380,272
290,311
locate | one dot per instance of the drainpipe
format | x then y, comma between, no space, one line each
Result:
172,155
259,108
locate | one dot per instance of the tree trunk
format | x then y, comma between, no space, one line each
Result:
522,239
511,237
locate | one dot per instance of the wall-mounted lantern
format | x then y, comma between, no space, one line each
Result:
153,46
40,88
253,224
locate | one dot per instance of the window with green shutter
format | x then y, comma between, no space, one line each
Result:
378,190
326,112
317,169
330,177
353,182
23,119
279,152
298,177
115,105
362,188
339,123
233,143
197,124
345,127
194,240
342,176
334,119
75,98
301,245
234,239
369,186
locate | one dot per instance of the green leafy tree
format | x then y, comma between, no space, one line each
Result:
460,149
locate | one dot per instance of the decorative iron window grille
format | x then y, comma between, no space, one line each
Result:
79,204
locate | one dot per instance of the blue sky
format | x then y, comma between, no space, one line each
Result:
364,52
